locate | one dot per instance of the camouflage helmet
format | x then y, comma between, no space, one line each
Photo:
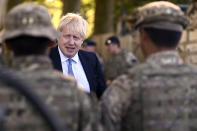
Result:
162,15
29,19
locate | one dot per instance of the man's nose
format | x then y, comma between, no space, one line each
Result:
71,40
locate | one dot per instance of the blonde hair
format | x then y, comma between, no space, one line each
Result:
74,22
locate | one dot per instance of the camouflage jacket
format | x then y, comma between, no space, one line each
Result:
159,95
59,92
118,64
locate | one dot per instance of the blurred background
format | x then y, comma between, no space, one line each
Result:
105,17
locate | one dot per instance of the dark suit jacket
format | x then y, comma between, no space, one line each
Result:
90,65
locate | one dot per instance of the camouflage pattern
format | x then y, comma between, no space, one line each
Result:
29,19
159,95
60,92
160,15
118,64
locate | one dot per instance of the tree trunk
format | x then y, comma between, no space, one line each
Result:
104,17
71,6
3,5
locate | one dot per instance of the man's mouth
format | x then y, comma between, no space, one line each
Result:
70,49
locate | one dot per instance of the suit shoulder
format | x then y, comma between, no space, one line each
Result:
87,54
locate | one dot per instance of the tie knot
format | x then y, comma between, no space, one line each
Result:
70,60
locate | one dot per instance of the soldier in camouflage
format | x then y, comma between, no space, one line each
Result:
159,95
29,34
119,61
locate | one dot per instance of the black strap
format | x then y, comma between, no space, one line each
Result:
20,86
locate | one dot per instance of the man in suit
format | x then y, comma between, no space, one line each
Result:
68,58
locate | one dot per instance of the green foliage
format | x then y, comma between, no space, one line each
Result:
85,7
126,7
130,5
37,1
180,1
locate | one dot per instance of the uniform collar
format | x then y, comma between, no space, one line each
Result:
165,58
32,62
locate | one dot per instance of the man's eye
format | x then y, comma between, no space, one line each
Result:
66,36
76,38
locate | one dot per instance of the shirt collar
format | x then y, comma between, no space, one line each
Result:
65,58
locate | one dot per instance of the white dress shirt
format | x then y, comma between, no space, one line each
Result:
77,68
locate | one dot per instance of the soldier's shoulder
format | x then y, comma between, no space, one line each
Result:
47,80
140,68
118,88
151,69
55,75
65,77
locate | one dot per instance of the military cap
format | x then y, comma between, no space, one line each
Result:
112,40
28,19
162,15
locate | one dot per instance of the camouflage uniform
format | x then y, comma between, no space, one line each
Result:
72,105
155,96
60,92
118,64
158,95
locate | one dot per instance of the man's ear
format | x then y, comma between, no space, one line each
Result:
52,44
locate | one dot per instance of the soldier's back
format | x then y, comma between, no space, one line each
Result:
162,98
156,96
58,91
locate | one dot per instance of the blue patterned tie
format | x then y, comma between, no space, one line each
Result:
70,70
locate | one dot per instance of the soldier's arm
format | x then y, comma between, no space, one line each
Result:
114,99
89,117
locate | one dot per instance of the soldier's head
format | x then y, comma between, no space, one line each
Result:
161,24
89,45
28,29
113,44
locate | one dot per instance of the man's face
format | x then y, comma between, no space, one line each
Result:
69,42
111,48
